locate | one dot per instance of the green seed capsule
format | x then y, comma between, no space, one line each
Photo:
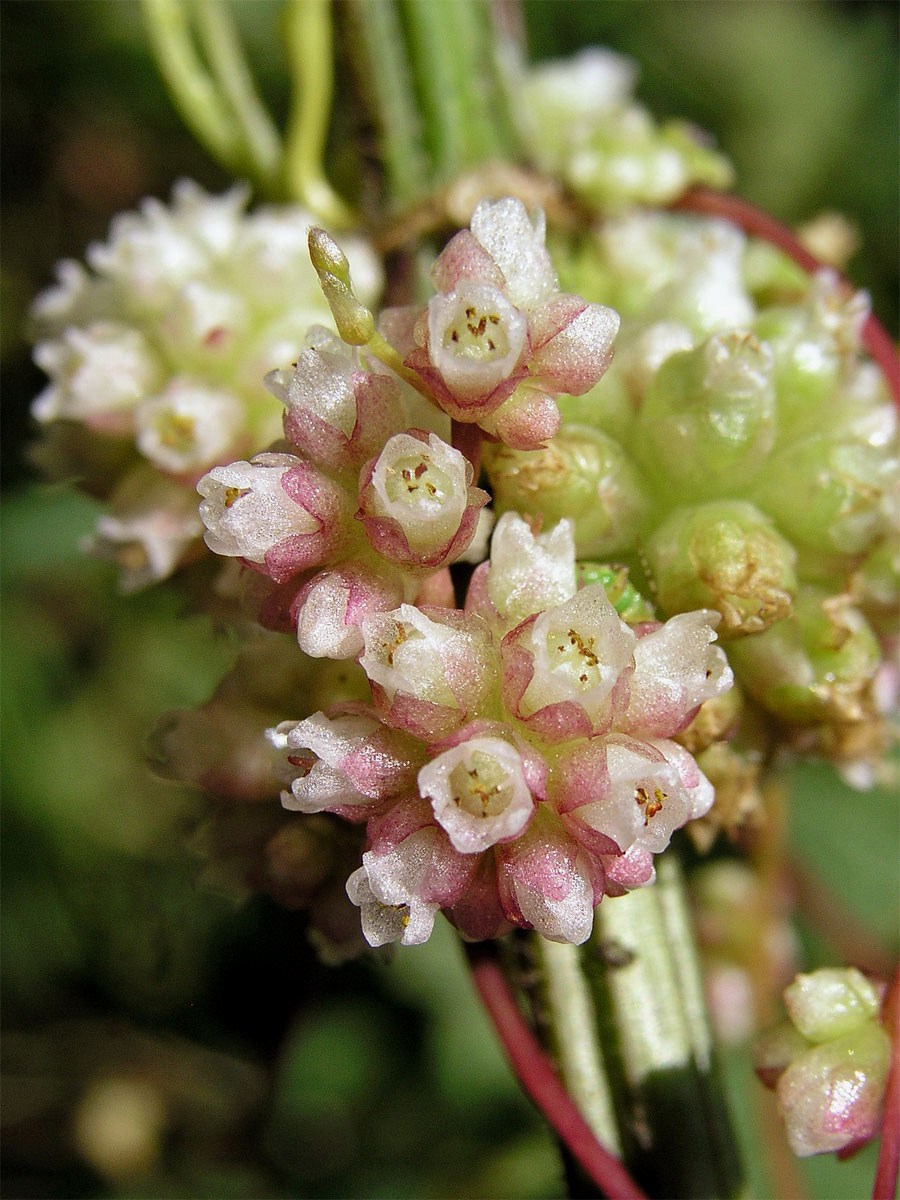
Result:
580,474
707,422
817,666
724,555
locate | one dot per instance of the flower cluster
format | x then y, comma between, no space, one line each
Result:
740,455
367,506
829,1062
156,358
583,125
351,522
516,761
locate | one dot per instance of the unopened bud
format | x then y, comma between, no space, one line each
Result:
327,256
355,323
581,474
707,422
724,555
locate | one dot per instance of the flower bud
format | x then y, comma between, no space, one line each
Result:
327,256
875,586
581,474
830,1003
707,422
727,556
829,1064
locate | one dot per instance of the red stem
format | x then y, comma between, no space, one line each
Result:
889,1154
754,221
538,1077
467,440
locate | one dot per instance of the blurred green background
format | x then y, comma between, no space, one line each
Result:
257,1071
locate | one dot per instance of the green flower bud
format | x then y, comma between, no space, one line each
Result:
812,344
580,474
830,1003
624,596
355,323
828,494
707,422
816,666
724,555
327,256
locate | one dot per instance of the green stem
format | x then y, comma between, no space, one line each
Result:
658,1045
567,1010
261,141
434,48
377,43
307,35
195,94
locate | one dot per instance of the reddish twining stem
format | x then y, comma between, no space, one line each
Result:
538,1077
889,1155
754,221
467,440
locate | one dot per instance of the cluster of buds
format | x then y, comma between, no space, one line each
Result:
739,455
156,357
583,125
829,1062
516,763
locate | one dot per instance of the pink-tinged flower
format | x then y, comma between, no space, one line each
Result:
676,669
346,764
408,875
618,790
565,671
546,882
276,511
429,669
499,320
329,609
478,793
338,414
417,503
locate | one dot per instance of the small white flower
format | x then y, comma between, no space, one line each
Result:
475,338
188,427
478,793
97,372
529,571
